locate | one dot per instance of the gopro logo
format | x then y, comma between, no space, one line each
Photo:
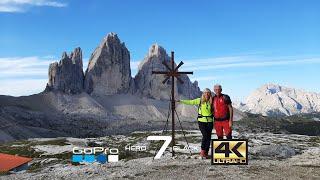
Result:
95,154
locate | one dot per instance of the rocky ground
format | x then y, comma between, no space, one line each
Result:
271,156
56,114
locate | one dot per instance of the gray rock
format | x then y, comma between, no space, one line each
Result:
189,89
109,73
109,70
276,150
275,100
150,85
67,75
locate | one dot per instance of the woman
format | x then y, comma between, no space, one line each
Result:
205,119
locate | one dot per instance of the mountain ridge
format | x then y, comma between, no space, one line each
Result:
276,100
109,72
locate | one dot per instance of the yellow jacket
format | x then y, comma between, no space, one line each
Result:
204,110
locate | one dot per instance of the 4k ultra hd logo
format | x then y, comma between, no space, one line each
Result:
95,154
229,152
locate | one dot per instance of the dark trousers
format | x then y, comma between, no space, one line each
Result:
206,130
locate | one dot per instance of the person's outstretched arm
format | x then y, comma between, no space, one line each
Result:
190,102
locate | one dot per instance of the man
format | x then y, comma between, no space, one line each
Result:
222,112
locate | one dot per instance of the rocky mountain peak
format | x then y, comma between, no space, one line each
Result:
274,100
109,73
156,54
64,55
156,50
67,76
150,85
271,88
111,38
109,70
76,56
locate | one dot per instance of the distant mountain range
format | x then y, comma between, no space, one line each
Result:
276,100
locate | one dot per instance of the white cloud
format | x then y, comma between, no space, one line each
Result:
215,60
246,61
22,87
23,67
221,77
12,6
24,75
205,78
134,65
9,9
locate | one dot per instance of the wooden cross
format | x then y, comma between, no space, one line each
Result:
172,73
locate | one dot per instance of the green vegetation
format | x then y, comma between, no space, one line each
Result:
58,142
37,166
24,147
4,173
298,124
25,151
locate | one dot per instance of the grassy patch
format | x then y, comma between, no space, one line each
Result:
57,142
37,166
25,149
297,124
61,156
34,167
4,173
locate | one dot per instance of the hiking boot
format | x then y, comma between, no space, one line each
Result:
207,155
203,153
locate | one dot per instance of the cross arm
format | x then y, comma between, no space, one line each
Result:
180,64
185,72
166,79
160,72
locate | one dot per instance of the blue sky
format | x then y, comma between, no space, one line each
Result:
240,44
